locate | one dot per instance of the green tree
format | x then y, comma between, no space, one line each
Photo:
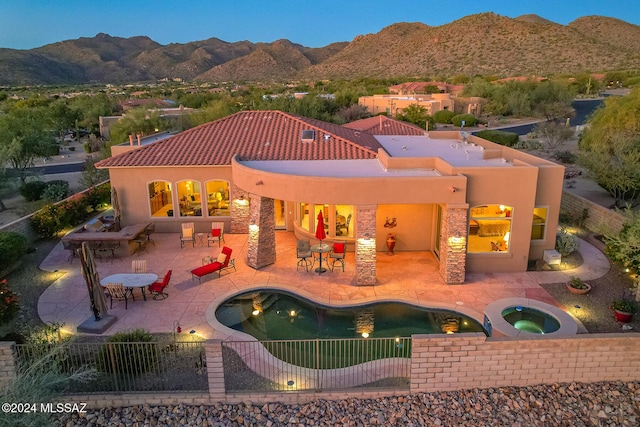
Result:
24,138
552,134
62,117
610,147
415,114
137,121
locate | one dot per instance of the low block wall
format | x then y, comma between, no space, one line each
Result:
599,218
470,360
439,363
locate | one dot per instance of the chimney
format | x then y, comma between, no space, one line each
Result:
138,135
131,139
380,122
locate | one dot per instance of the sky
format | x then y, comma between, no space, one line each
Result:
26,24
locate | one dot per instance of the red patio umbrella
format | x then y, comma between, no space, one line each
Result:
320,235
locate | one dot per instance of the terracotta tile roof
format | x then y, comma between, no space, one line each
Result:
383,125
253,135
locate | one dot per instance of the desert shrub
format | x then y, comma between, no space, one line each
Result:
32,190
46,221
12,247
566,157
96,197
443,116
508,139
624,249
469,120
56,190
8,302
73,211
566,243
135,352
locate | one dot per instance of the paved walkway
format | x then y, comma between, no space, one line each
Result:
410,277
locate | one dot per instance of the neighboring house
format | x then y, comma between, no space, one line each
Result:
477,206
411,88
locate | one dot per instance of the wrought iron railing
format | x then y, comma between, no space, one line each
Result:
320,364
122,367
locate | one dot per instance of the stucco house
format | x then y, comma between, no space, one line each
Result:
476,205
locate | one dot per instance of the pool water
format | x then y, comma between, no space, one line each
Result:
530,320
278,315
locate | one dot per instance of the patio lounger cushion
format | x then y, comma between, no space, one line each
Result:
206,269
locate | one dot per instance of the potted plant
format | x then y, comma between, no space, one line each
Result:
578,286
624,308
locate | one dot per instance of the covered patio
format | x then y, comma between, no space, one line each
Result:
410,277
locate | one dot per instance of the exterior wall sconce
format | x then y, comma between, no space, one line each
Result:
242,201
367,236
253,226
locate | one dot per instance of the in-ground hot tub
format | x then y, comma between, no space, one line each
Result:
513,317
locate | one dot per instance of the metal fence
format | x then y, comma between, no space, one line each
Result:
121,367
316,364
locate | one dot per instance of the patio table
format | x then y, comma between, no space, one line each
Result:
321,249
132,280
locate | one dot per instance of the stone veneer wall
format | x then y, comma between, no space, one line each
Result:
239,210
453,242
365,249
261,249
439,362
598,218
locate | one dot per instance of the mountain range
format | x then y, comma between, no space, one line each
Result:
481,44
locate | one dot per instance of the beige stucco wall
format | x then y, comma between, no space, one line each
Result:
132,185
414,229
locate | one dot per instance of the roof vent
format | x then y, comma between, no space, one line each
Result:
308,135
327,136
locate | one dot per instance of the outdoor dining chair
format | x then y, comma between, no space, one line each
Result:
139,266
188,234
337,254
148,231
217,233
119,292
157,288
304,254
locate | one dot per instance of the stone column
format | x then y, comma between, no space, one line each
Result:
262,237
366,245
7,364
215,369
453,243
239,210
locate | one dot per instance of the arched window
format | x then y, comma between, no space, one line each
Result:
160,199
217,198
189,198
489,228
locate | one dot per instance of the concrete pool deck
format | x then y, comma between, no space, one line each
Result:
410,277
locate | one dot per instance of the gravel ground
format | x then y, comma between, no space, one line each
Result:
575,405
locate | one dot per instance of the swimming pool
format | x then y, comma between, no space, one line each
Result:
279,315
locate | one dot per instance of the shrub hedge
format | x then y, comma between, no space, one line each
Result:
12,247
443,116
469,120
139,357
32,190
508,139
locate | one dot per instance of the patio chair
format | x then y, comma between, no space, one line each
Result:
72,247
304,254
217,233
139,266
157,288
223,262
119,292
337,254
148,231
188,234
110,246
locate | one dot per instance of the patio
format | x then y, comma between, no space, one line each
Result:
410,277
